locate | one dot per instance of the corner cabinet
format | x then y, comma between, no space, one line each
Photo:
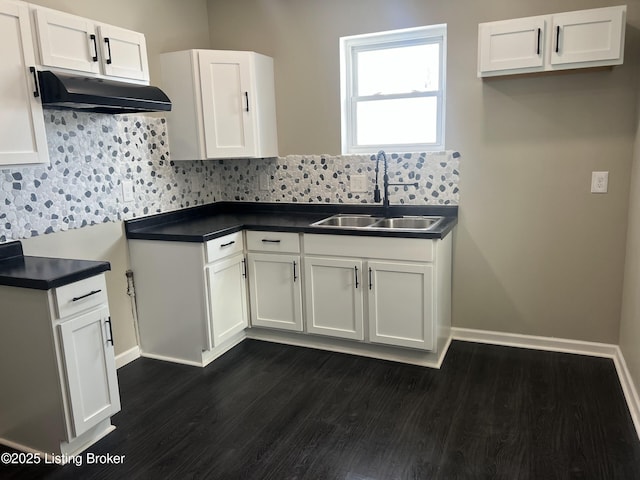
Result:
580,39
191,297
81,45
22,136
223,104
57,359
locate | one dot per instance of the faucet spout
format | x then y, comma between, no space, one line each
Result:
385,183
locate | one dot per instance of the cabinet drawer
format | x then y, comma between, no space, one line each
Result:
79,296
273,242
392,248
224,246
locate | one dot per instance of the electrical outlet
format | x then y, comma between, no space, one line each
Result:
265,180
599,182
195,183
127,191
358,183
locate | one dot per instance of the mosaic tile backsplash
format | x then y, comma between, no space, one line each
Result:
93,154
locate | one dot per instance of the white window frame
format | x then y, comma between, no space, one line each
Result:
350,46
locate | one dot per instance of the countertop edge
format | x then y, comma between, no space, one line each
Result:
48,284
135,228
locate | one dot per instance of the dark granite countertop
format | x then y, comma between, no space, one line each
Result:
204,223
43,273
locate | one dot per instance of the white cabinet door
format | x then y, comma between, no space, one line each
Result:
587,36
90,369
67,41
401,304
22,136
511,45
124,53
226,104
227,299
275,291
334,297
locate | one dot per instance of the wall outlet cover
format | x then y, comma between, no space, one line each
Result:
358,183
599,182
127,191
265,180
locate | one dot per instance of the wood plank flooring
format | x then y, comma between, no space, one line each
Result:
268,411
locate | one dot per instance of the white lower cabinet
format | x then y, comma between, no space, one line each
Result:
404,285
364,295
275,280
334,297
401,307
275,291
227,299
90,368
191,297
57,361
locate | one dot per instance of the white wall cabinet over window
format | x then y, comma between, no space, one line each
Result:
22,136
75,43
223,104
580,39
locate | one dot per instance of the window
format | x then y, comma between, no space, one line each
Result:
393,90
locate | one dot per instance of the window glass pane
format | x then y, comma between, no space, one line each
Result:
400,121
405,69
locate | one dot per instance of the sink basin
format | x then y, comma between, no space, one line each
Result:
369,222
347,221
408,223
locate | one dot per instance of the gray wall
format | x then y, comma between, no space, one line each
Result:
535,252
630,323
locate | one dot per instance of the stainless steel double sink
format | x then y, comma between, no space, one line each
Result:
369,222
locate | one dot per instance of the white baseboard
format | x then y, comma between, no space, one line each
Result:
629,388
127,356
551,344
564,345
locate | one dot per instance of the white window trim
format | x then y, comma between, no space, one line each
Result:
349,45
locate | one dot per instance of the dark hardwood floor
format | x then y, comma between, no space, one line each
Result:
268,411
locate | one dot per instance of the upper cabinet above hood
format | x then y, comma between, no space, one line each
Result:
99,95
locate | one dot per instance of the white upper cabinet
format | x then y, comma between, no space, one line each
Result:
514,44
581,39
124,53
588,36
223,104
75,43
22,136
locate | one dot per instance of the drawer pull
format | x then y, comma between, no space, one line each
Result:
356,272
295,274
110,339
370,279
266,240
244,267
75,299
227,244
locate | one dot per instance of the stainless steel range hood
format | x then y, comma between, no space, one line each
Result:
91,94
